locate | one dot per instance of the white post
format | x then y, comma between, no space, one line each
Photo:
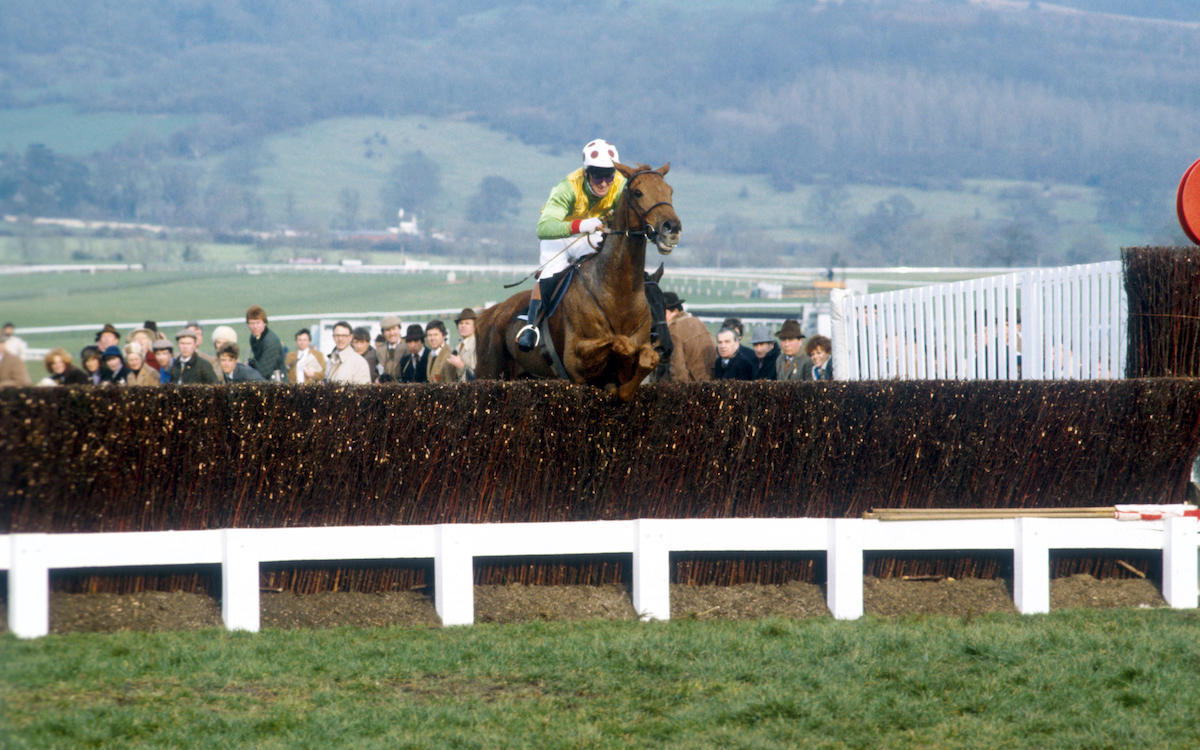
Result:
1031,567
842,369
1180,587
454,576
239,580
29,587
844,565
651,571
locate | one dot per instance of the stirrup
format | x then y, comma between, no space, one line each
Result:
537,338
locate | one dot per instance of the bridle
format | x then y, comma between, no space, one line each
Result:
646,230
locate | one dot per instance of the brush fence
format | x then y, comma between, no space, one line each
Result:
1043,324
454,547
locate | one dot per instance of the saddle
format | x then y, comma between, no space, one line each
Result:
554,288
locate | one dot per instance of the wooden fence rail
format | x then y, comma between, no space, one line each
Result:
29,558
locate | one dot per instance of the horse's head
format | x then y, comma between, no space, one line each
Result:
648,202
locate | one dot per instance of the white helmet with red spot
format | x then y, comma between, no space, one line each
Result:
600,153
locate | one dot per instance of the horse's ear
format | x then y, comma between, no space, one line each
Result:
657,274
627,171
664,169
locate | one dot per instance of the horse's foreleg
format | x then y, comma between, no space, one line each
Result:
592,356
647,360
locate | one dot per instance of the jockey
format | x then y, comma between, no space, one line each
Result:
572,221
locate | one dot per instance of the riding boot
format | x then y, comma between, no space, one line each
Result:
528,337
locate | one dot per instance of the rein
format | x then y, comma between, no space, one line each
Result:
646,230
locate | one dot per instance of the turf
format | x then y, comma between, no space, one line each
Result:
1069,679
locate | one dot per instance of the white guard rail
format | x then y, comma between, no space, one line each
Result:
453,547
1040,324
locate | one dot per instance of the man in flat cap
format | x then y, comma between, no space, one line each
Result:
391,350
189,368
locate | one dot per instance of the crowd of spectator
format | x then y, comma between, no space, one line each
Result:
419,354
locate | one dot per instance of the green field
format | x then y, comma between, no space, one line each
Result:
1070,679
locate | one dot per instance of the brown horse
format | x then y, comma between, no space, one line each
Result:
601,329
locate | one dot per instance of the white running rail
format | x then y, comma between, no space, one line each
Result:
1038,324
29,558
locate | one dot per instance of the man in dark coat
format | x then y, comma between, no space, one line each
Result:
730,366
414,366
766,351
188,368
266,350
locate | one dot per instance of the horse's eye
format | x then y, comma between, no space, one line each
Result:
637,193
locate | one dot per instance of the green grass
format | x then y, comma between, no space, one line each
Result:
1070,679
66,131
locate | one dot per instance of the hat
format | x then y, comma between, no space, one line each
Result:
192,324
790,330
414,333
185,333
466,314
224,333
114,351
672,301
162,344
150,324
389,321
760,334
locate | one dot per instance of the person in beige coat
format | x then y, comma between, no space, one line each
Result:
462,359
12,368
695,349
439,367
140,373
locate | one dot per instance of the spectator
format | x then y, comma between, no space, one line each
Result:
792,361
440,370
414,365
140,373
61,370
360,339
222,336
766,352
107,336
189,368
695,350
819,349
306,364
93,367
12,367
233,371
211,359
266,349
114,362
143,337
728,365
390,353
346,365
12,342
164,355
462,359
745,352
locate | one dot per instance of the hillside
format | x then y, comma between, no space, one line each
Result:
806,129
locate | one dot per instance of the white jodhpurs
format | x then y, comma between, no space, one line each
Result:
556,255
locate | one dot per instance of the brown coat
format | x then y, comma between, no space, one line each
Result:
12,369
145,376
794,370
440,370
290,364
390,359
695,349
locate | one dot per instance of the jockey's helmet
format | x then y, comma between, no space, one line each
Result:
600,153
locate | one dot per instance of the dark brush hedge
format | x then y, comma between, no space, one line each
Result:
1163,288
109,459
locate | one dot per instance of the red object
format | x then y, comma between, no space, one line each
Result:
1187,202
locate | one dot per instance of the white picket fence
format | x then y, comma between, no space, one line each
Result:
29,558
1038,324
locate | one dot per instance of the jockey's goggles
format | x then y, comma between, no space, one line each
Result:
600,174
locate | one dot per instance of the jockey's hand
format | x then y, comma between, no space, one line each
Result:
587,226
